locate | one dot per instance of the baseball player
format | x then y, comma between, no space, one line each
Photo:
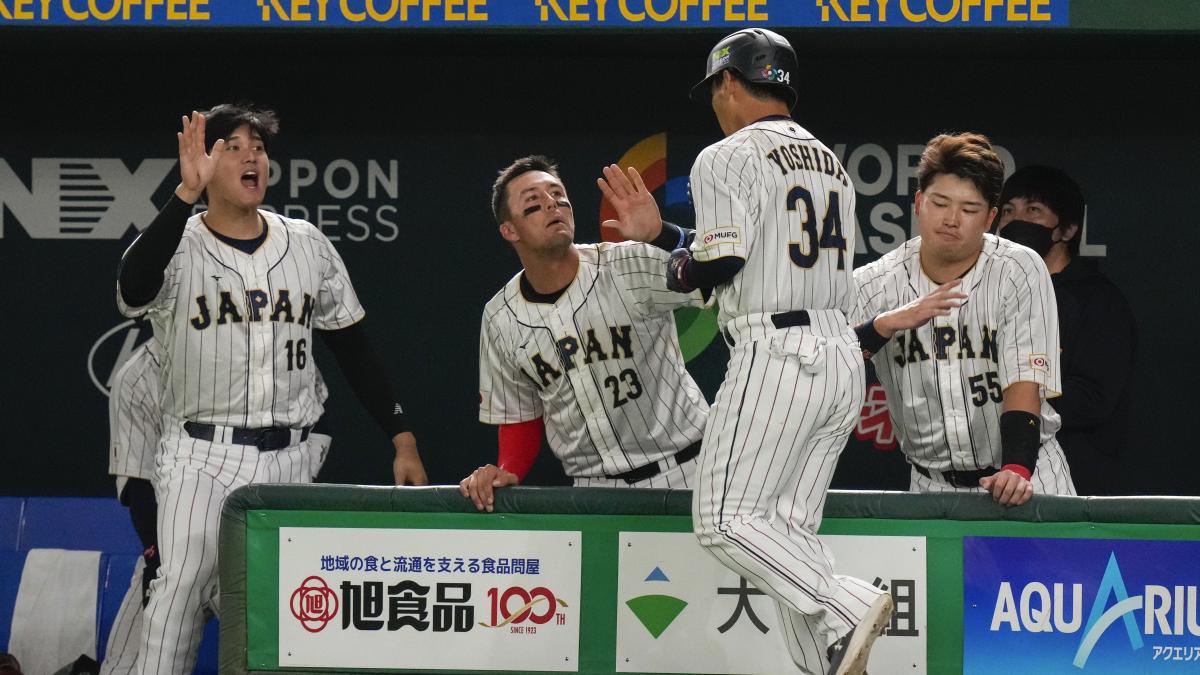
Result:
583,343
234,294
775,236
971,355
135,427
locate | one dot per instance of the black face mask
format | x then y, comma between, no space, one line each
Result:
1025,233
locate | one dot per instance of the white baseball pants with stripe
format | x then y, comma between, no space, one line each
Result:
191,482
781,418
120,655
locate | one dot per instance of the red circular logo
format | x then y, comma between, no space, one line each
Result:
314,604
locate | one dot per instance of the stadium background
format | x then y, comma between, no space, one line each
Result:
450,108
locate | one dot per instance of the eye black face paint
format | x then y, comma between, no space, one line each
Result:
529,210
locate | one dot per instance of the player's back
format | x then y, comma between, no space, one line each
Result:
775,195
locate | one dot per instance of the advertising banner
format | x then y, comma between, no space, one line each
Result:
682,611
1080,606
429,599
535,13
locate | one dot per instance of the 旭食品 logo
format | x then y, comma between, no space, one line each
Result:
314,604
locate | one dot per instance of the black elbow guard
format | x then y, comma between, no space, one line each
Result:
1020,438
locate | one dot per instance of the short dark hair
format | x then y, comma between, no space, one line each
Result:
967,155
222,120
510,173
1054,188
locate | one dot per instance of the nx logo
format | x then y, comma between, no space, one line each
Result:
81,198
113,349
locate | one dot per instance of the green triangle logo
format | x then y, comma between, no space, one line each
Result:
656,612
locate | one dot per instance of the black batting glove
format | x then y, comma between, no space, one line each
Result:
677,266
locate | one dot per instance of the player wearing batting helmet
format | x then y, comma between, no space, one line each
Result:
775,240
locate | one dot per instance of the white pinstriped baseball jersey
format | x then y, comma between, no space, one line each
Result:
945,380
236,328
774,195
602,364
134,418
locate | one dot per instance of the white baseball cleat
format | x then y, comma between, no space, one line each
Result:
848,656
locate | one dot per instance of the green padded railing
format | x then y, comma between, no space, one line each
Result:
943,518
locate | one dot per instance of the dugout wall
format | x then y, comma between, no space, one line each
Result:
1059,585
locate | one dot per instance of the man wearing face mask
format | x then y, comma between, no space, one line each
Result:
1043,208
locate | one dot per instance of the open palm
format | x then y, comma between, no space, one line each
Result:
196,166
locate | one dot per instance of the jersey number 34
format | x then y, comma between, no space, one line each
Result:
804,252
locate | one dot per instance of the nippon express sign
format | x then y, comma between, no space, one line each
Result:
1080,606
429,599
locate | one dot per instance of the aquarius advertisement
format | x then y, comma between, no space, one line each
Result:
1080,606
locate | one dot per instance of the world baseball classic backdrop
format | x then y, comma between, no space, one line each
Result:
390,142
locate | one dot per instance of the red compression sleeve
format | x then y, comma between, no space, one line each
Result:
1022,471
519,446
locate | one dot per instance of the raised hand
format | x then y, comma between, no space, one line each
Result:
638,218
196,166
939,302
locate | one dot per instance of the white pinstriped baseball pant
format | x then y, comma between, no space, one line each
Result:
191,482
781,418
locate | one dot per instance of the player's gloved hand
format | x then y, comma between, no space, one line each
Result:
677,271
939,302
638,218
479,486
152,559
407,468
196,166
1007,488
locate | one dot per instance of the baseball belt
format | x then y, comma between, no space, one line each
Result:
264,438
962,479
798,317
654,468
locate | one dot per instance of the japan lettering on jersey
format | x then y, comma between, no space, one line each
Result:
945,380
774,195
602,364
236,328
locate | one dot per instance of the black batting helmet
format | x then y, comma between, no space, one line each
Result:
758,55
